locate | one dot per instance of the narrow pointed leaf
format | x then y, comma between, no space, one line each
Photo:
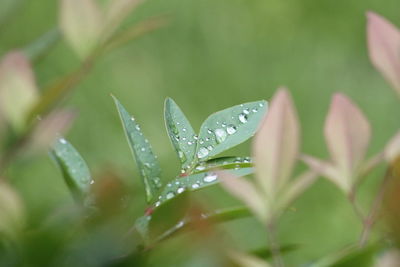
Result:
276,145
194,182
147,162
347,134
180,132
246,192
73,167
384,48
81,22
228,128
18,90
224,163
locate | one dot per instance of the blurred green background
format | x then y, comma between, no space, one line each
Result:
214,54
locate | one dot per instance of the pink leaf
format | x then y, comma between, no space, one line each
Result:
276,144
347,134
392,149
384,48
246,192
81,22
18,91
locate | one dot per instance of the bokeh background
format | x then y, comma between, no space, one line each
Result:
214,54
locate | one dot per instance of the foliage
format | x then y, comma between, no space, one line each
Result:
98,229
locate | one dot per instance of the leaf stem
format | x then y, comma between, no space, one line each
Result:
274,244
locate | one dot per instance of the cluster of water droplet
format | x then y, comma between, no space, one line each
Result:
180,185
223,130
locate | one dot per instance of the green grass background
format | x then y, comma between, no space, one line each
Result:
212,55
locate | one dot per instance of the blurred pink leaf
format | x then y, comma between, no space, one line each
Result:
392,149
18,91
347,134
48,129
246,192
384,48
297,187
81,22
276,144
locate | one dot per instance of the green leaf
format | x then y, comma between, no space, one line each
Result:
228,128
350,256
180,132
224,163
217,216
146,160
42,45
192,183
73,167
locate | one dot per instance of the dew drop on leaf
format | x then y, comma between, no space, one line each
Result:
231,129
203,152
242,118
220,135
210,177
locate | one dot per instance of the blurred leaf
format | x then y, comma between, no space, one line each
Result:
229,127
297,187
390,258
266,253
180,132
216,216
12,219
116,13
48,129
276,145
146,160
349,257
133,32
243,259
194,182
18,91
247,192
42,45
392,149
73,167
224,163
384,47
347,134
168,215
81,22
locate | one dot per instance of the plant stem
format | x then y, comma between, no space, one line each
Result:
373,213
273,242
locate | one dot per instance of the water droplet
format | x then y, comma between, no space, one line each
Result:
196,185
207,139
201,142
195,137
137,127
261,104
209,131
184,129
132,119
177,182
242,118
157,203
220,134
246,111
231,129
180,190
210,148
179,224
223,124
157,182
183,138
143,149
92,182
169,195
190,143
202,153
210,177
63,141
254,110
169,185
200,168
